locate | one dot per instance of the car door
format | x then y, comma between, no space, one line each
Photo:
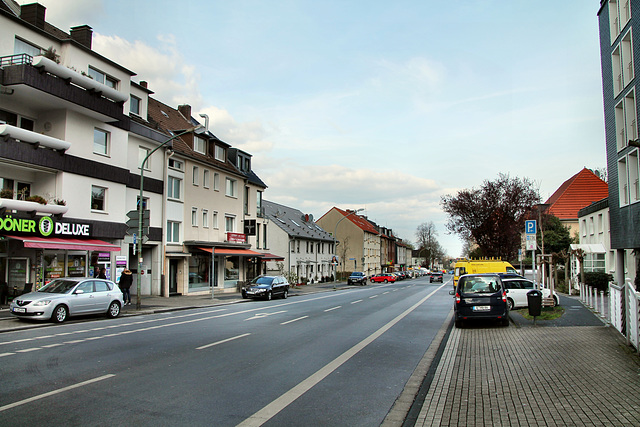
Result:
82,299
102,296
526,286
278,286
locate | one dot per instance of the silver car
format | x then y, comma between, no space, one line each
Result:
69,296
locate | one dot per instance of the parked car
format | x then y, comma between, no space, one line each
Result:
517,288
436,276
70,296
266,287
357,277
383,277
480,296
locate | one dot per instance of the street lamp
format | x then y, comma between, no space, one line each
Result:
140,206
335,230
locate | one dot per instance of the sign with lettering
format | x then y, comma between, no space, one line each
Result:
236,238
44,226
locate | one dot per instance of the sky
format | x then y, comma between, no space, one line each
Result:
381,105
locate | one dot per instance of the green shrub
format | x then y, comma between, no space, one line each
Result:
598,280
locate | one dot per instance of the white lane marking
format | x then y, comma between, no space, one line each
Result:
355,302
54,392
294,320
222,341
374,296
6,354
273,408
334,308
384,293
262,315
58,344
27,350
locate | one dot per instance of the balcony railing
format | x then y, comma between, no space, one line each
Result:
19,59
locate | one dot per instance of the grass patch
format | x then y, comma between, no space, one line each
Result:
547,313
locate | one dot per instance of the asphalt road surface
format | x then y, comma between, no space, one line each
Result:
334,358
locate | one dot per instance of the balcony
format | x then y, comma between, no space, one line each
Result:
35,138
31,77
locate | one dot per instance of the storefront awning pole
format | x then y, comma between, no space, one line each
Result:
212,276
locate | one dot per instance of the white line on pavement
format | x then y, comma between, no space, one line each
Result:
54,392
355,302
273,408
222,341
334,308
294,320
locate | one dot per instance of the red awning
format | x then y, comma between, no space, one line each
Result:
69,244
230,251
271,257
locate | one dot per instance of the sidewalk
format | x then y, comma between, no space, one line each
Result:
572,371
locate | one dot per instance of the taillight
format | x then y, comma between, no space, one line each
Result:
504,296
457,297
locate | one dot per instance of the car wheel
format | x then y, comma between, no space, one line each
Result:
269,296
285,294
510,303
114,310
386,281
60,314
244,295
555,301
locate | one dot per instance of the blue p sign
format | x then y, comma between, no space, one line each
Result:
530,226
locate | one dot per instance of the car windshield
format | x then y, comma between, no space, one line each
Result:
480,285
262,281
357,274
58,287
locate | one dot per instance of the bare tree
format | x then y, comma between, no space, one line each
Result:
428,244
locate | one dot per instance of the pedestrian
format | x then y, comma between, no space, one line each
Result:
102,274
126,279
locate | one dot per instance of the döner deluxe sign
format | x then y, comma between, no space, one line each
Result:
44,227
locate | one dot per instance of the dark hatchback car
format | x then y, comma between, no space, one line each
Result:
436,276
266,287
480,296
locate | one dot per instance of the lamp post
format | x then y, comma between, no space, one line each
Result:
335,230
141,210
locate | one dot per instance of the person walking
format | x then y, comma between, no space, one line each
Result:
126,279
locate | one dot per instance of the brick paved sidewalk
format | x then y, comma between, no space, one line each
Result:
534,376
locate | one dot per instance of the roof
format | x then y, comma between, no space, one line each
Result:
293,222
579,191
359,221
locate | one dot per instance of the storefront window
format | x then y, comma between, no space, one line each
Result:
53,266
231,271
17,274
76,266
199,272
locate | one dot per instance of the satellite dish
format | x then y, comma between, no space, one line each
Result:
310,217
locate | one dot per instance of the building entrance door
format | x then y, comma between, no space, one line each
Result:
173,276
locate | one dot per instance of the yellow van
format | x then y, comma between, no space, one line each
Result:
474,266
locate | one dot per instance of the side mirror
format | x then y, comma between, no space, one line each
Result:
79,292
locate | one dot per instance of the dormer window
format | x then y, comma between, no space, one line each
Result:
220,153
134,108
200,145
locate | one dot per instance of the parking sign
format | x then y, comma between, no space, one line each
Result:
530,226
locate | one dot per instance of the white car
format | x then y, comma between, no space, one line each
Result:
70,296
517,288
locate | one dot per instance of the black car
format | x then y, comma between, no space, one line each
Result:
436,276
357,277
480,296
266,287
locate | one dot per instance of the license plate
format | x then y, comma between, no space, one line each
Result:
481,307
19,310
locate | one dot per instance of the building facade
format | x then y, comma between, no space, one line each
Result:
617,18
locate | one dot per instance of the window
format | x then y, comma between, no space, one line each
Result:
205,178
216,181
231,187
258,236
259,212
173,187
98,198
626,50
142,154
134,106
230,224
101,77
175,164
623,182
614,20
173,232
600,224
591,226
194,217
634,173
220,153
630,116
101,142
21,46
621,140
200,145
205,218
246,200
196,176
215,219
616,67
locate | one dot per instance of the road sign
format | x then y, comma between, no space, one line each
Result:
132,222
531,244
530,226
134,214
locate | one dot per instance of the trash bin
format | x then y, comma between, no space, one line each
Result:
534,300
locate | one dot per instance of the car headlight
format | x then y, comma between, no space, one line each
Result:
42,303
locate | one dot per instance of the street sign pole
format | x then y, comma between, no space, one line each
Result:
530,229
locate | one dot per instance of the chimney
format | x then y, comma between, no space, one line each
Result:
185,110
83,34
143,84
33,14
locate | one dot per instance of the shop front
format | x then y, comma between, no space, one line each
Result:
37,249
226,268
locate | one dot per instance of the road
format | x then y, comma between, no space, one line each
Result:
335,358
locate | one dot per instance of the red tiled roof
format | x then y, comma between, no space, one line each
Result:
577,192
361,222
